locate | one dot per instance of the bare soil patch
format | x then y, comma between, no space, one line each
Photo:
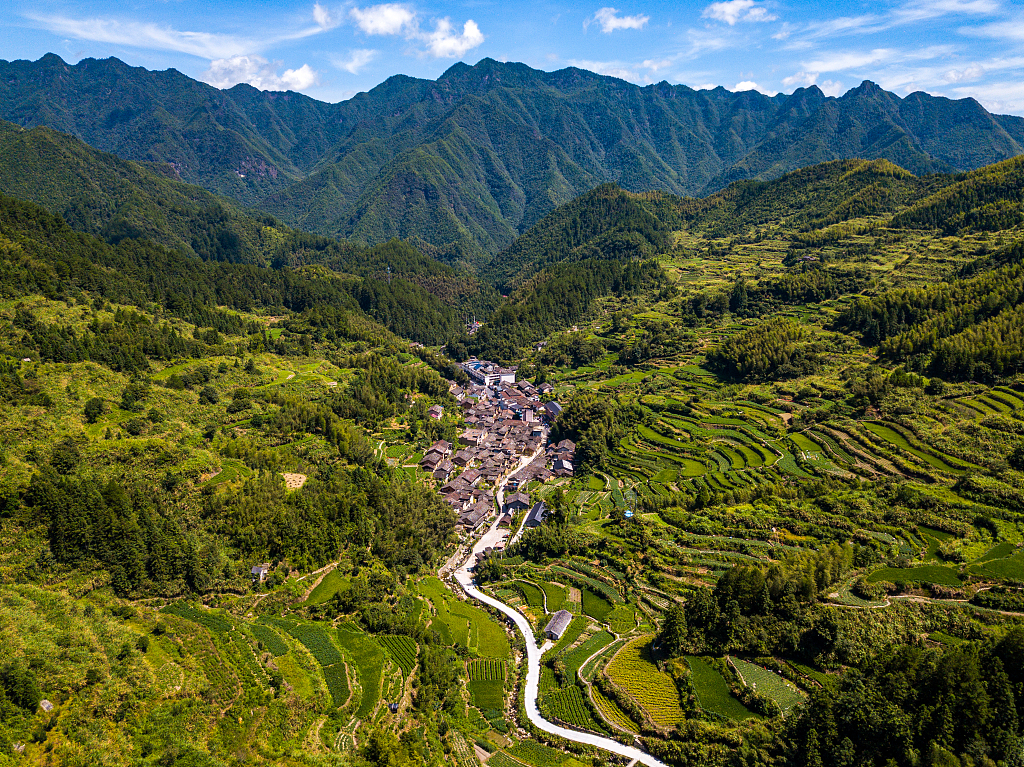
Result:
294,481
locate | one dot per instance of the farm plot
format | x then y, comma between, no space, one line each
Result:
369,661
486,670
654,691
555,596
314,638
269,638
215,622
568,705
595,606
402,650
336,677
894,437
572,633
575,658
768,683
534,596
466,625
332,583
537,754
1007,567
611,712
712,691
487,694
944,576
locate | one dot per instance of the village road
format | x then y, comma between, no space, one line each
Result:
533,653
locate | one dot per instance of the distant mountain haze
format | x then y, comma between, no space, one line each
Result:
464,164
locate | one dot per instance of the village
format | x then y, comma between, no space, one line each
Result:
507,423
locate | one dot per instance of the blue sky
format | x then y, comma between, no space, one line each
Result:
332,50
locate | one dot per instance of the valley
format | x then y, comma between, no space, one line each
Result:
265,499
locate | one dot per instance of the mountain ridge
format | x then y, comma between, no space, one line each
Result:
471,160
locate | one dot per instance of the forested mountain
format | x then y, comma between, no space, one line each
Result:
42,255
114,199
469,161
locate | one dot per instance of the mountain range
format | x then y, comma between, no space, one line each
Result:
463,165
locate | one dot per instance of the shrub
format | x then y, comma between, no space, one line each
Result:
93,410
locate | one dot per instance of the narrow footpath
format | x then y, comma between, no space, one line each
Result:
533,653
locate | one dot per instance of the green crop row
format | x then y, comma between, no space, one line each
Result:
269,638
402,650
486,670
212,621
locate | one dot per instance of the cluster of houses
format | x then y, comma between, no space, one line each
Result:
505,420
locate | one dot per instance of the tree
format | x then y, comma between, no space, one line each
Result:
20,685
93,410
672,637
208,396
65,456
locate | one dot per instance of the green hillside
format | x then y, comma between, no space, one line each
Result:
784,492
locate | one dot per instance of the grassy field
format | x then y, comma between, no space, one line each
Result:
464,624
533,595
596,606
333,583
487,694
1002,568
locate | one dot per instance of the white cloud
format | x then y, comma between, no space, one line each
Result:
324,18
750,85
642,73
656,65
1011,29
399,19
385,19
355,61
610,21
800,79
732,11
972,72
259,73
996,97
444,43
144,35
837,62
911,12
830,87
618,69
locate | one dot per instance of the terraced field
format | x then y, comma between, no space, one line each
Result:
567,706
944,576
612,714
369,661
768,683
402,650
460,623
654,691
713,692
